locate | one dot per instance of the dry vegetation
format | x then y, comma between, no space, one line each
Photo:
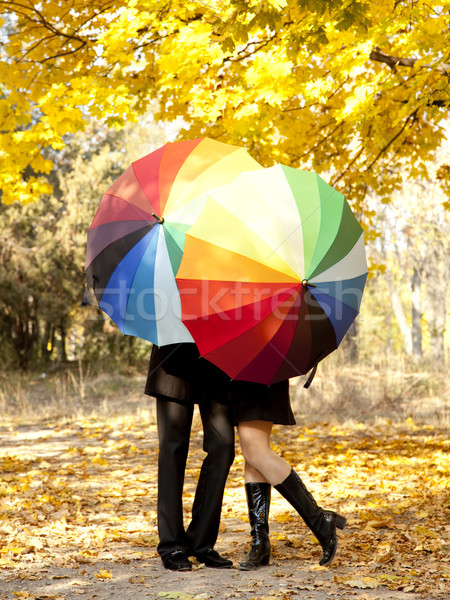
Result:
78,491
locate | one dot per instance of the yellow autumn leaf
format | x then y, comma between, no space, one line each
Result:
424,531
104,574
284,517
13,550
246,110
136,580
98,460
380,523
359,582
176,595
296,542
278,4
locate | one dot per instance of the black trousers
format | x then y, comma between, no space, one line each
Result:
174,430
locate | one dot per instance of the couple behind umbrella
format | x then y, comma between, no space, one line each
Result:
297,248
179,378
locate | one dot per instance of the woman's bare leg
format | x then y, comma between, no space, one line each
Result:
262,464
255,443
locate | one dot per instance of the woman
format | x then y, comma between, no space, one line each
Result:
178,378
256,409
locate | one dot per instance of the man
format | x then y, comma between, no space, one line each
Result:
179,379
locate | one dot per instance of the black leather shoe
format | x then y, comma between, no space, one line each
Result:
177,561
212,558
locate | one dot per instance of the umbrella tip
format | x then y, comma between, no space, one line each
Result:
159,219
306,283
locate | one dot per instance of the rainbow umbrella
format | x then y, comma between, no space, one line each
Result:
136,239
272,274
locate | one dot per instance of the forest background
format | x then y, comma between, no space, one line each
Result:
357,91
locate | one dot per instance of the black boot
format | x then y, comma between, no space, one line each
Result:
258,500
322,522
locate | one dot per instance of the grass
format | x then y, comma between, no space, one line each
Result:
72,392
338,394
366,393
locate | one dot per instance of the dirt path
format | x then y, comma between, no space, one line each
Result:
147,579
78,521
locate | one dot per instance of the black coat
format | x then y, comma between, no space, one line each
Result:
178,373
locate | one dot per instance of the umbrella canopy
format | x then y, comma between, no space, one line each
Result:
135,242
272,274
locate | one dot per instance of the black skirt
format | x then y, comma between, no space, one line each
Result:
258,402
178,373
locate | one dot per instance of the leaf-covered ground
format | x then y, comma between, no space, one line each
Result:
78,518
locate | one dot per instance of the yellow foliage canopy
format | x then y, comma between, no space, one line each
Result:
357,91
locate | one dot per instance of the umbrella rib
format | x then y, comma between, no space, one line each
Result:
275,250
171,243
139,210
301,225
285,359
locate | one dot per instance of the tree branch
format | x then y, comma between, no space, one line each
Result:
392,140
394,61
319,143
257,46
348,167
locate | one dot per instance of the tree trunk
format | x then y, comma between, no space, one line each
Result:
25,333
351,346
63,348
400,317
436,307
416,314
48,341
